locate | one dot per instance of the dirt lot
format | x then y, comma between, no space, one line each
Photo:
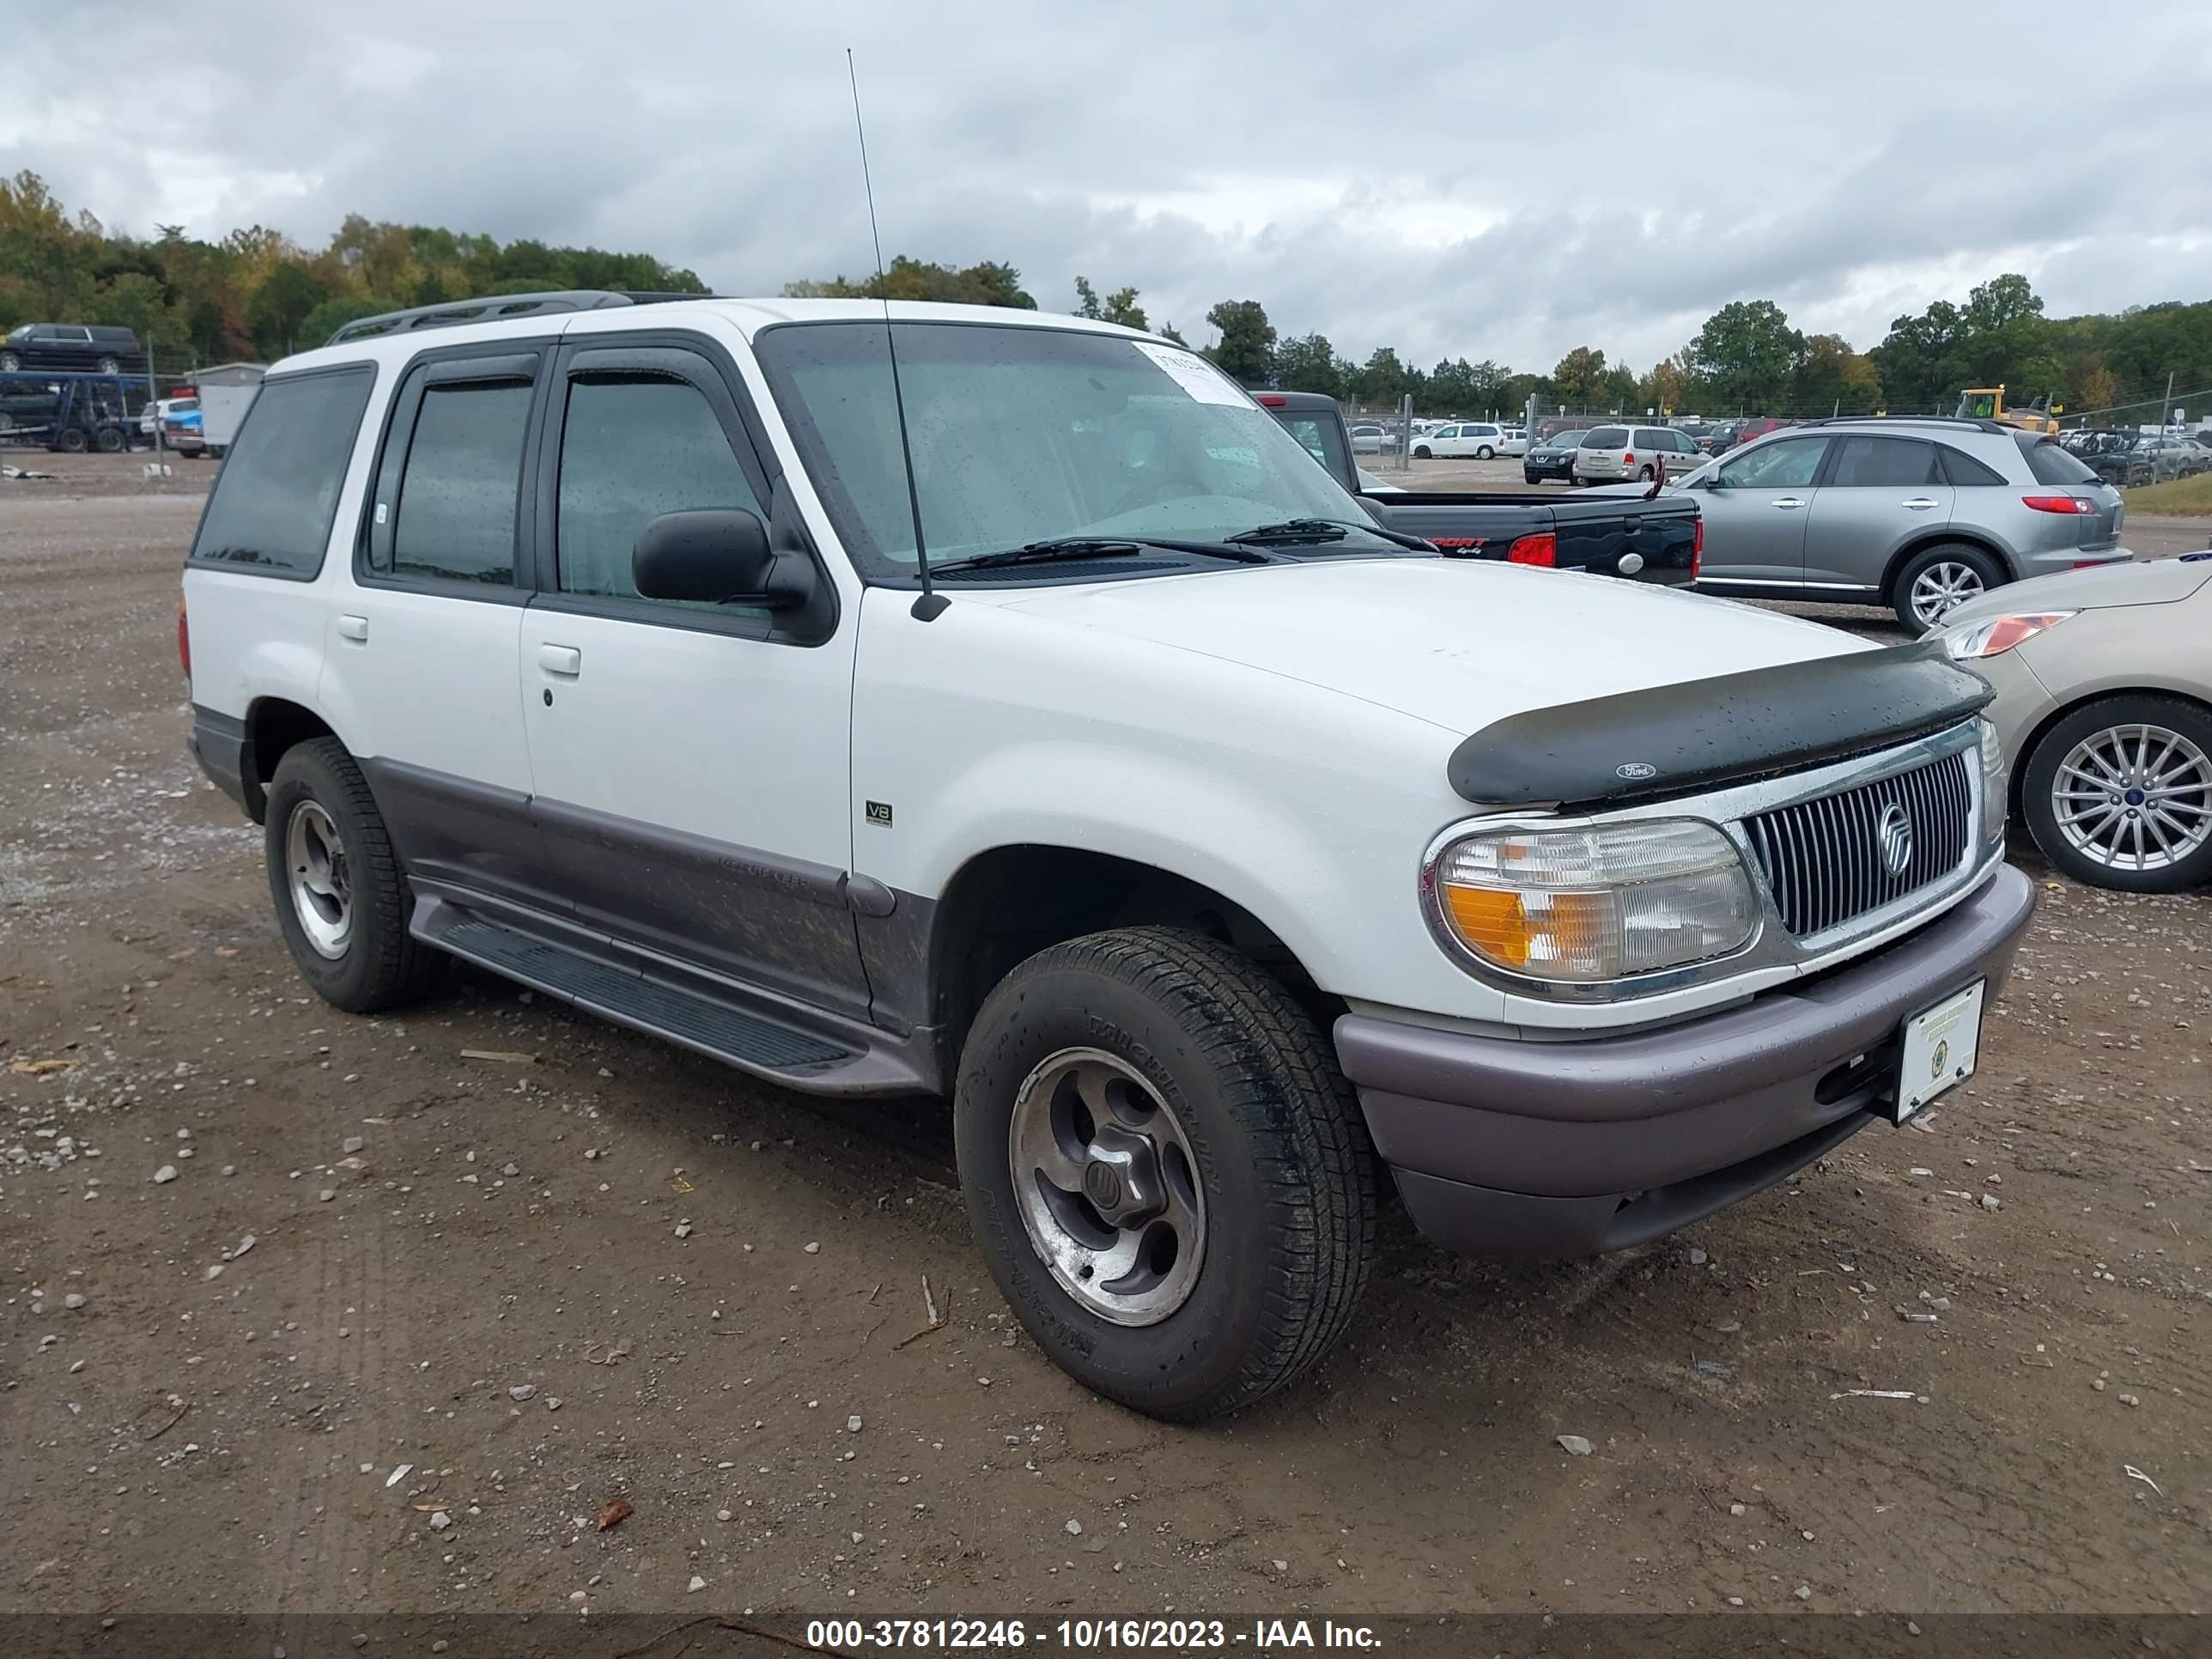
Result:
521,1289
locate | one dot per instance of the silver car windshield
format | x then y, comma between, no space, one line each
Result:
1023,435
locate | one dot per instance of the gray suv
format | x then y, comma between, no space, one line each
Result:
1917,514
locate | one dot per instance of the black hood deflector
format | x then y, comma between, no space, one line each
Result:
1671,739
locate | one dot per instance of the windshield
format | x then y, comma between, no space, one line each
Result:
1024,434
21,331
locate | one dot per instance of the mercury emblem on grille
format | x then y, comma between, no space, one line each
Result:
1894,833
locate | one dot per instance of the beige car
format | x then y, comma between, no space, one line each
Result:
2104,683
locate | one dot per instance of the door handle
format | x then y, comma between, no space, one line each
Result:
1786,502
354,628
563,660
1919,503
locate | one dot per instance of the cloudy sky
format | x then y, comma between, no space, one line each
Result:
1479,180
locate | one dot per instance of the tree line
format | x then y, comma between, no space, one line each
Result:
257,293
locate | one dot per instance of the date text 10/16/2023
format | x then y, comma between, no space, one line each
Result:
1089,1635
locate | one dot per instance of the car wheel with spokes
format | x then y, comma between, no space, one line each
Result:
2118,794
341,898
1168,1176
1939,579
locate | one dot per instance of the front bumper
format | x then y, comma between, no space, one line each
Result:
1570,1149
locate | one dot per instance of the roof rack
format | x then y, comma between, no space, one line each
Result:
496,307
1976,423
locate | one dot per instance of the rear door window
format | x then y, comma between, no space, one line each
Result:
1962,469
1866,462
449,487
2051,464
278,490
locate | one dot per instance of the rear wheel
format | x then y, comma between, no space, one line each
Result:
1169,1177
1645,473
2118,794
1485,453
71,440
1938,580
111,440
341,898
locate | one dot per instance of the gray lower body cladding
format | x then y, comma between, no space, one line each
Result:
1572,1149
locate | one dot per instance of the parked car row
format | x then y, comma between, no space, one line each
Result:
2127,458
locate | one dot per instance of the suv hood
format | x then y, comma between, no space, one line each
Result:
1459,643
2103,587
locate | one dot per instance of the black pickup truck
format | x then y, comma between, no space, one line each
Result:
1650,540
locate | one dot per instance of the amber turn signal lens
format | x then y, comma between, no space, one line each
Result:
1490,921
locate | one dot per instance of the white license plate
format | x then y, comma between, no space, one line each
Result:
1941,1046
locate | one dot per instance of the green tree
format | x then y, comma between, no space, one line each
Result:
1381,381
1119,306
986,284
1831,377
281,304
1169,332
1246,350
1578,378
1307,362
327,318
1745,353
1450,389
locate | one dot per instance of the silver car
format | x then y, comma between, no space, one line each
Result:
1921,515
2104,683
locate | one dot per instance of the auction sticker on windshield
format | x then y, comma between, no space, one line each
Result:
1940,1049
1205,383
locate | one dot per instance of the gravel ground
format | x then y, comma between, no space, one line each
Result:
305,1312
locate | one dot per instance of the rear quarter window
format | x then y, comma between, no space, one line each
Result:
2051,464
1960,468
272,507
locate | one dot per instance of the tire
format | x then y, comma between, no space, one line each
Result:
366,960
1645,473
71,440
111,441
1938,578
10,362
109,366
1223,1073
1420,452
2100,852
1485,453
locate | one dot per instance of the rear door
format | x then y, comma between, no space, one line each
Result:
421,648
1877,494
1755,512
691,760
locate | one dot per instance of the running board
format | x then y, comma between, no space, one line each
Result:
754,1035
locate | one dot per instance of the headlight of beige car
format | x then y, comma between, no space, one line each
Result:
1594,903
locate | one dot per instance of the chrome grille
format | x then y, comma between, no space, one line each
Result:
1823,858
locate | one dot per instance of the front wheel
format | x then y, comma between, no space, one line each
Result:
1420,452
341,896
111,440
1938,580
10,362
109,366
1168,1176
2118,794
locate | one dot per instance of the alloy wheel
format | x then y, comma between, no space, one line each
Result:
1942,587
2134,797
321,885
1106,1187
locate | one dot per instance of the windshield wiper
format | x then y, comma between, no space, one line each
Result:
1097,547
1306,532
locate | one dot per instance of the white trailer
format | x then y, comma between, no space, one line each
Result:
225,392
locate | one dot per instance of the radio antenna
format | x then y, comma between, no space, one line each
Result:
929,604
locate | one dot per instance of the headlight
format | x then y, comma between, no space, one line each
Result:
1996,802
1969,642
1594,904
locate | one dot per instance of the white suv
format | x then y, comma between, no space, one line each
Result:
1475,438
1611,454
1043,728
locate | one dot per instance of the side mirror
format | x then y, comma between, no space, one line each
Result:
710,556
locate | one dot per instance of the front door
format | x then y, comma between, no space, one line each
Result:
1756,511
1877,494
689,765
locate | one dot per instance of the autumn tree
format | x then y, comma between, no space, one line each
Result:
1578,378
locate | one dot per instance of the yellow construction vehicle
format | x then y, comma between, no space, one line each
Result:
1986,403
